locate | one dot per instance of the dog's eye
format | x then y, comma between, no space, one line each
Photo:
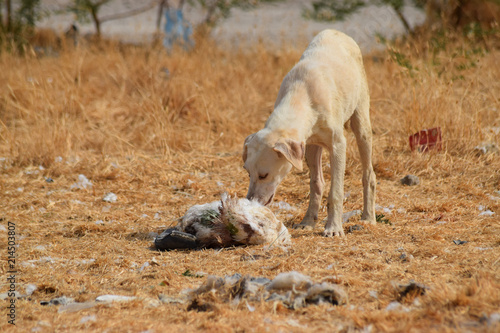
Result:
261,177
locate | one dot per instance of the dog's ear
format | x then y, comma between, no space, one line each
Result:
292,150
245,149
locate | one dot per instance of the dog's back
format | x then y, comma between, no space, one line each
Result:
331,70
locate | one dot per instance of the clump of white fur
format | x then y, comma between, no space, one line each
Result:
233,221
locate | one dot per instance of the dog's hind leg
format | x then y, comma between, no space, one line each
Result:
313,159
360,124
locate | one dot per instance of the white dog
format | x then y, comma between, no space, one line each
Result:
321,93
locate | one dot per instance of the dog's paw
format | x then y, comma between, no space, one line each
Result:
332,233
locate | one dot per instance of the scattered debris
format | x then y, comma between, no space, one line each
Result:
485,212
171,300
293,289
396,306
228,222
91,318
411,289
487,148
426,140
346,216
188,273
459,242
494,319
483,248
110,197
355,227
115,298
63,300
30,289
144,266
290,280
82,183
410,180
4,296
282,205
386,210
76,306
251,257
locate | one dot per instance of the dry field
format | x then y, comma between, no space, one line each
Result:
164,132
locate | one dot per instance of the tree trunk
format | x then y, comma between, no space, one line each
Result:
8,4
161,5
403,19
97,22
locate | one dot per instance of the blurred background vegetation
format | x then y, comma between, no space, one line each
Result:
18,19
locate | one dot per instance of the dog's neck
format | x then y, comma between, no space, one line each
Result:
291,115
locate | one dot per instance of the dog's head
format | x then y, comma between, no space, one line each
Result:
268,158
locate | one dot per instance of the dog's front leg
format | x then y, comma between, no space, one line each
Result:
313,159
336,197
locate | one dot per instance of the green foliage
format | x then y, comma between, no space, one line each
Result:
84,9
220,9
18,23
331,10
189,274
381,219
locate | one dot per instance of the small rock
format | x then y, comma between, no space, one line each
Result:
487,213
355,227
82,183
200,306
290,280
494,319
114,298
4,296
410,180
30,288
146,264
74,307
110,197
91,318
411,289
393,306
171,300
459,242
63,300
348,215
486,148
49,180
326,293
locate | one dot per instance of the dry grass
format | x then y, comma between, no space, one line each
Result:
164,142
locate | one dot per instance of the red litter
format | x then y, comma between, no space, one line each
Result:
426,139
